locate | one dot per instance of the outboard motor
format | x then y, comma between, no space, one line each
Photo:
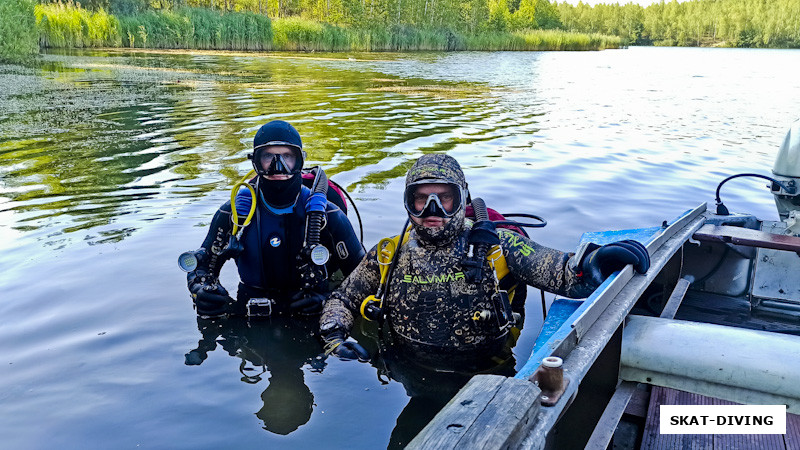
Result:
787,172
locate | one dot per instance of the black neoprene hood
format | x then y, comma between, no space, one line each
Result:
277,132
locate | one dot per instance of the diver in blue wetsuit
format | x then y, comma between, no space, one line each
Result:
293,239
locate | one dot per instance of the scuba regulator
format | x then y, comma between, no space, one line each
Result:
482,238
313,257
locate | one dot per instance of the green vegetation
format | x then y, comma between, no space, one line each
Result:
72,27
730,23
17,30
294,33
313,25
400,25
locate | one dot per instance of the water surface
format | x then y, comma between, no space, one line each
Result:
111,164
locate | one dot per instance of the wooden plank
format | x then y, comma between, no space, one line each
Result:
749,441
675,299
653,439
792,436
748,237
637,407
449,426
666,396
604,430
500,425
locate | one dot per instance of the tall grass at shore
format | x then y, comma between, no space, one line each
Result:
295,33
306,35
540,40
18,37
69,26
197,28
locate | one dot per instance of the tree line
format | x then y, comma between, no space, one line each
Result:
730,23
408,24
464,16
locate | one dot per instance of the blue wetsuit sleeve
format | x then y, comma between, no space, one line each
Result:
346,249
210,263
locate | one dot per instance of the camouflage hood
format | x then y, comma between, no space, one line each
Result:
439,167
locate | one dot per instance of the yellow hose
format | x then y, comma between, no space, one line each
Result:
234,192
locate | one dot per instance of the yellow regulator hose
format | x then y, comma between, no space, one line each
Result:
234,191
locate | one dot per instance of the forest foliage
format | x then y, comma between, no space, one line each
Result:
729,23
732,23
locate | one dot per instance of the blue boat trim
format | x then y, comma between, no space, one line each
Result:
558,323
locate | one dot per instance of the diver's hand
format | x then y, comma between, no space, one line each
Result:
604,261
336,343
212,301
307,302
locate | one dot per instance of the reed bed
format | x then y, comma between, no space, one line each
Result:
69,26
195,28
18,37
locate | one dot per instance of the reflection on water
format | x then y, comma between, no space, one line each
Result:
94,138
112,163
277,349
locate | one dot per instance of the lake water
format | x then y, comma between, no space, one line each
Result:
112,164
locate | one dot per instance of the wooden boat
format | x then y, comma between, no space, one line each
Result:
716,320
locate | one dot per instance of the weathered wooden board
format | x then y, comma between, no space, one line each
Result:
652,439
748,237
490,412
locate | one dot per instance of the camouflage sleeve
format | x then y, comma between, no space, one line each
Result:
345,302
542,267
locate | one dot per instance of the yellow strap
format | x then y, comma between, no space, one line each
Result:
234,192
331,346
386,250
387,247
498,261
499,264
366,302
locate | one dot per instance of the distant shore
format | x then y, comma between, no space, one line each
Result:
69,26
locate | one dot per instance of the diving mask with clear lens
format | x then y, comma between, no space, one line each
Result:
429,198
280,161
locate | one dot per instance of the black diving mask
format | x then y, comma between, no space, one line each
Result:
267,163
430,198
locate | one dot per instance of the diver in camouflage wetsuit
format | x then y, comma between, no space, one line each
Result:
431,306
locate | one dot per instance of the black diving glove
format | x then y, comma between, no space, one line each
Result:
212,301
336,343
602,262
307,302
